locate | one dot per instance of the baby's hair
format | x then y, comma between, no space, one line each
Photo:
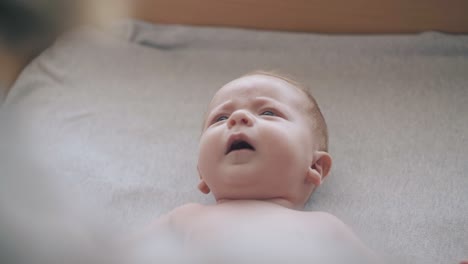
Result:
319,126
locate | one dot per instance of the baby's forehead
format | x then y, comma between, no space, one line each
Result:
254,86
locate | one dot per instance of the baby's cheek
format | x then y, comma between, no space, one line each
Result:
284,139
209,150
290,148
209,141
280,146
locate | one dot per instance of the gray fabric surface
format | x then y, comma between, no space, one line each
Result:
116,118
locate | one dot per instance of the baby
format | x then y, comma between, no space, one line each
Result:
263,151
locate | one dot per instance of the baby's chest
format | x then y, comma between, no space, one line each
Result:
249,228
262,238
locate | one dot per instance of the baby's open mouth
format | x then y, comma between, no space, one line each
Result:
238,145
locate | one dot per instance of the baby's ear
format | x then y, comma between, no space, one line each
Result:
319,168
202,185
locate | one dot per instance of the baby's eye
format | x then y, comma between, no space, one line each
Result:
221,118
268,113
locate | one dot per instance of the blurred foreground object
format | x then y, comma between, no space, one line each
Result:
29,27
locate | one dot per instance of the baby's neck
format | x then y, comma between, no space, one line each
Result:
277,201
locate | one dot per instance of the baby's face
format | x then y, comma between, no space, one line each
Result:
257,141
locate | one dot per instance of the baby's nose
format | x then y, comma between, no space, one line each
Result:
240,117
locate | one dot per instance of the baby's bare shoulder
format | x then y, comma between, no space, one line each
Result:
183,213
175,215
187,208
329,223
323,218
166,222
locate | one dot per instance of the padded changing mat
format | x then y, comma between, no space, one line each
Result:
115,118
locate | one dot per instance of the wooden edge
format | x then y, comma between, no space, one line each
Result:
334,16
